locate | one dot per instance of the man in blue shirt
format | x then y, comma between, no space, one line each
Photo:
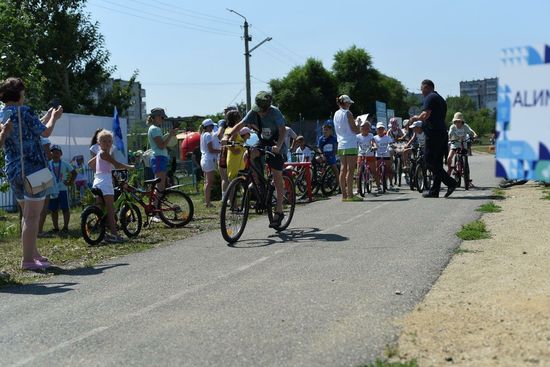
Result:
433,114
269,123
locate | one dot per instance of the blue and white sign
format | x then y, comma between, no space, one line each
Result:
381,113
523,114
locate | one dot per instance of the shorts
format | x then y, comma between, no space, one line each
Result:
383,158
60,202
18,189
362,158
348,151
159,163
209,164
277,161
104,182
331,159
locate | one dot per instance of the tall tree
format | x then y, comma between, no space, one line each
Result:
59,52
307,91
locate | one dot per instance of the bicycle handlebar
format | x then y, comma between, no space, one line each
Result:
266,149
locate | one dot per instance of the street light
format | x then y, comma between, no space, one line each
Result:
247,55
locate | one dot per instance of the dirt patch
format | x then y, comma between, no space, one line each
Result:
491,306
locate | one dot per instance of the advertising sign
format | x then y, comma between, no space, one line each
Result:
390,114
523,114
381,112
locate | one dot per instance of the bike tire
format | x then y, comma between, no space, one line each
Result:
176,209
457,172
383,178
130,220
368,181
466,174
329,182
92,225
412,176
235,209
361,181
399,171
419,178
301,183
289,202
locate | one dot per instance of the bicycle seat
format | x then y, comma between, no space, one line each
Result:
152,181
97,192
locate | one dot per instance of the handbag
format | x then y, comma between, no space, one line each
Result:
38,181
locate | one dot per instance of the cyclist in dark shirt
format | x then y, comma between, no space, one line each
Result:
433,115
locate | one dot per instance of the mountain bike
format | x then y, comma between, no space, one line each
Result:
364,178
461,167
397,163
322,176
423,176
252,190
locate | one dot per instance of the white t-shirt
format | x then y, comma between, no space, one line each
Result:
306,154
459,134
347,139
383,144
421,139
364,142
206,138
290,134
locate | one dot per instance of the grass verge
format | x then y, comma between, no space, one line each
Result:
489,208
499,194
71,251
475,230
382,363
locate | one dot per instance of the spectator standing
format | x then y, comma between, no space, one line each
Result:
346,133
159,143
223,125
64,175
12,94
49,191
209,158
435,129
81,180
94,146
290,140
328,144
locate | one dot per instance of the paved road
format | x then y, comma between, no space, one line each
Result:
323,293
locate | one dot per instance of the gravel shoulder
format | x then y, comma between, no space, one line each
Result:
491,306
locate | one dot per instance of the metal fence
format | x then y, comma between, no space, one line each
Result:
184,175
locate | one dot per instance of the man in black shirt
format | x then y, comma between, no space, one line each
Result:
433,117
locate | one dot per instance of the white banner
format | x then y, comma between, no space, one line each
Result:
523,114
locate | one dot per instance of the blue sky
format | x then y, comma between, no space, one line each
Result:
190,54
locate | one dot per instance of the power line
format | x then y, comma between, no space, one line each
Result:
196,14
276,57
259,80
237,96
176,23
300,57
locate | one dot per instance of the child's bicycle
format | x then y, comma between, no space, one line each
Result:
93,219
252,187
461,167
173,207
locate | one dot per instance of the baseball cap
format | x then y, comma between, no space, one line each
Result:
158,112
380,124
56,147
207,122
344,98
417,124
245,130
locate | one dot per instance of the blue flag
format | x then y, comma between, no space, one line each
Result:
117,132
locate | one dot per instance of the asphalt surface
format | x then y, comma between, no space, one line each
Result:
323,293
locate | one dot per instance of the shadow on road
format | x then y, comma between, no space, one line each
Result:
39,289
94,270
300,235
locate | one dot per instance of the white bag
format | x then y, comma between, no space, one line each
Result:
147,155
38,181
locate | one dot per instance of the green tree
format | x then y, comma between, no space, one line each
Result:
59,51
307,91
355,76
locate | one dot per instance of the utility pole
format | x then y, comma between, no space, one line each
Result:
247,55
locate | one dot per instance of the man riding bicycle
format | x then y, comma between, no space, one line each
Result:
269,123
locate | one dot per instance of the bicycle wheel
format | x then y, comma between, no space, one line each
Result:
316,179
92,225
383,178
361,181
329,183
175,208
412,178
301,183
289,202
419,178
466,174
234,210
367,181
130,220
457,172
399,170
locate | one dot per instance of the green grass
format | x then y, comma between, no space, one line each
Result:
460,251
546,194
473,231
489,208
72,251
499,194
382,363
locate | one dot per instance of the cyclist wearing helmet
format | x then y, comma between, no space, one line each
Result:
269,123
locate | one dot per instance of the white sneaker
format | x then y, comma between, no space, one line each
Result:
156,219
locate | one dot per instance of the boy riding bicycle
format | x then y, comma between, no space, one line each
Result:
269,123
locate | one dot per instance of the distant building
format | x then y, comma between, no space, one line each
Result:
482,92
137,111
